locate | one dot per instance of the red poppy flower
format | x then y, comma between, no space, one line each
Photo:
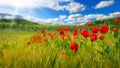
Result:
74,46
95,30
43,40
63,38
90,24
68,36
75,34
104,29
117,20
93,37
36,37
101,37
42,31
115,29
51,36
75,30
61,32
84,32
66,29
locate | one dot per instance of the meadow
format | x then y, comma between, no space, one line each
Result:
93,45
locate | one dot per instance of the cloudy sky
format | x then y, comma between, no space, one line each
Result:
61,11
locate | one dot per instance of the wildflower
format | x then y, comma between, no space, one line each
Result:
66,29
104,29
95,30
90,24
63,38
68,36
42,31
93,37
74,46
75,30
61,32
84,32
43,40
75,34
101,37
36,37
49,34
115,29
117,20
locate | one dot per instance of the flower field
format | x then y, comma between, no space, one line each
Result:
91,46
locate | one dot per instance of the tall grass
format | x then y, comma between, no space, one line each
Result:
15,53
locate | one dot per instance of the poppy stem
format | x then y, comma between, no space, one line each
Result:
99,52
60,55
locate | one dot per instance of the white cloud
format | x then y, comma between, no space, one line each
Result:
115,14
82,19
56,6
75,7
19,3
91,17
75,19
6,10
61,17
74,16
52,4
103,4
9,17
59,20
71,6
111,15
30,18
29,3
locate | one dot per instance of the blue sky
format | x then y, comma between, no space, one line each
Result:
61,11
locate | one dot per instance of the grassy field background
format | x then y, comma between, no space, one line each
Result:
16,52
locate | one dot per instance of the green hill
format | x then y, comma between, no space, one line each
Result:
21,24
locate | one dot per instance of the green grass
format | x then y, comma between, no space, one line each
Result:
16,53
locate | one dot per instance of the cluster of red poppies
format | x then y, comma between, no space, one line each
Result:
94,34
62,31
